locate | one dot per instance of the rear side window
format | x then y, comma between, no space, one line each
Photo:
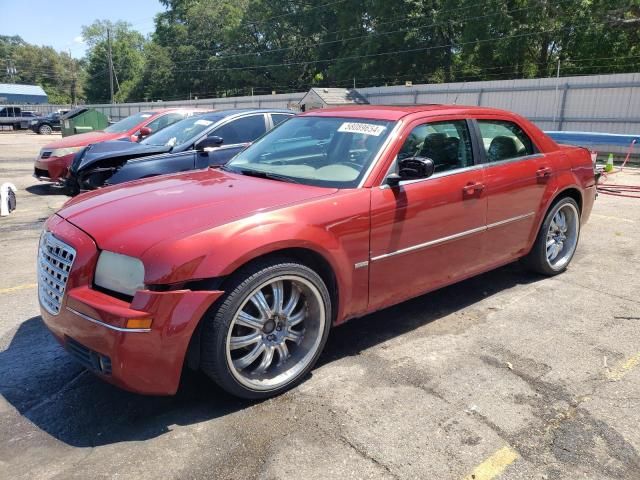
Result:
242,130
504,140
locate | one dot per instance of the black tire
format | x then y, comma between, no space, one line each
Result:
45,129
218,325
537,260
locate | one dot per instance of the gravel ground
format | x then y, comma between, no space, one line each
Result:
506,375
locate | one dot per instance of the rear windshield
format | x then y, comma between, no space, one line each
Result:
128,123
183,131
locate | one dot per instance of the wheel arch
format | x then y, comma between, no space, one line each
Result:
303,255
571,192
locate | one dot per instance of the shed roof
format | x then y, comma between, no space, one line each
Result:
18,89
337,96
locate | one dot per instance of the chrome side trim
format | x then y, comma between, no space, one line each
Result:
447,173
431,243
111,327
361,264
513,160
510,220
455,236
477,166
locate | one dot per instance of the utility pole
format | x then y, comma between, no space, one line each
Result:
74,81
11,70
555,102
110,63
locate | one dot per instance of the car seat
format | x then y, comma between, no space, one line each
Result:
502,148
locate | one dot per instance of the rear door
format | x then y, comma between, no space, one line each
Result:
236,135
428,232
517,175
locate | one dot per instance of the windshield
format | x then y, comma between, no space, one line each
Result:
181,132
128,123
321,151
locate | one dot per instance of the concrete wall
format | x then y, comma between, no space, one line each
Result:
601,103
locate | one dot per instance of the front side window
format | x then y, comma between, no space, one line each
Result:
448,144
320,151
503,140
242,130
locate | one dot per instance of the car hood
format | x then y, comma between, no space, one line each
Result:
83,139
133,217
107,151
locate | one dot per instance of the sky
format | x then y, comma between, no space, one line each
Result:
58,23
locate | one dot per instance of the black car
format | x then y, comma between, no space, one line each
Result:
197,142
46,125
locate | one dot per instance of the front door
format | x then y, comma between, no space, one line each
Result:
429,232
236,136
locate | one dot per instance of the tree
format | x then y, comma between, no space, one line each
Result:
127,47
56,72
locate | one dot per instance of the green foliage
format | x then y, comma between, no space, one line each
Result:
127,50
213,48
56,72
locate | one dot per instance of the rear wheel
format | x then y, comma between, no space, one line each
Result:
44,130
269,330
557,239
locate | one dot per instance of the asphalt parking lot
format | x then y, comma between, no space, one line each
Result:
508,375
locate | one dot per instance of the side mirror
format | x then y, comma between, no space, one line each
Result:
144,132
209,142
411,168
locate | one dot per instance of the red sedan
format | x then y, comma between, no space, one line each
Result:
242,271
54,159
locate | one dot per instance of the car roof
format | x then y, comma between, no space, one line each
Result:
396,112
219,114
157,111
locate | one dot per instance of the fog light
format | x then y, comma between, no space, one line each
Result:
139,323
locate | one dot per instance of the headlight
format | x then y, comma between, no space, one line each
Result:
61,152
34,122
119,273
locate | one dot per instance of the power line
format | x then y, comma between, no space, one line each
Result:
359,37
393,52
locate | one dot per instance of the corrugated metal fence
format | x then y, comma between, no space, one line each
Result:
602,103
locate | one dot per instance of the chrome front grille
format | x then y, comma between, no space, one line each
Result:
55,259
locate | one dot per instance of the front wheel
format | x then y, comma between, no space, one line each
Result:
45,130
557,239
269,330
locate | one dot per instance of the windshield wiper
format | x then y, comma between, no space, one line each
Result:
261,174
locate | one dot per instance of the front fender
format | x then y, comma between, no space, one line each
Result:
144,167
337,229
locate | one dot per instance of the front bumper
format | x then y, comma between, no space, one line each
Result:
92,325
52,169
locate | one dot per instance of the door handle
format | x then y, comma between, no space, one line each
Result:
543,172
472,188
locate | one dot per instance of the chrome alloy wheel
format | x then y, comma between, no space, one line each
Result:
562,236
275,333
